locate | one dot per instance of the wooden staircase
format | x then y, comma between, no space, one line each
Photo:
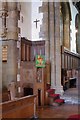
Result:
54,99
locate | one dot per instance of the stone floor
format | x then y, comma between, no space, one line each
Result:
72,96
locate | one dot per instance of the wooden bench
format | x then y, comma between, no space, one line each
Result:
19,108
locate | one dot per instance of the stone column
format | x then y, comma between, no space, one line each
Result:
12,36
3,31
66,30
12,24
45,29
0,66
10,68
44,33
59,88
0,61
0,49
52,43
3,15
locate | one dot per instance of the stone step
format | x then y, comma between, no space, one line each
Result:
54,104
54,96
54,99
59,101
49,91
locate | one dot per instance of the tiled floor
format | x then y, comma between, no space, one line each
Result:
72,96
63,111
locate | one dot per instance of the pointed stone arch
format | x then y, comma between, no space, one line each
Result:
77,25
66,14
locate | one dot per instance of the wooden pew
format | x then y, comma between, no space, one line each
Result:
19,108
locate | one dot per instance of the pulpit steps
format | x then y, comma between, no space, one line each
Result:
54,99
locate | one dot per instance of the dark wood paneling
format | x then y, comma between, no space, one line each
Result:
29,49
70,66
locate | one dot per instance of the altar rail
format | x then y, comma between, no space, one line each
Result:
24,107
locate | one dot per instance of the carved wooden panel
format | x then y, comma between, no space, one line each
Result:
39,75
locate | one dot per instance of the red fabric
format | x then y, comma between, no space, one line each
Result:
74,117
59,100
54,95
50,90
